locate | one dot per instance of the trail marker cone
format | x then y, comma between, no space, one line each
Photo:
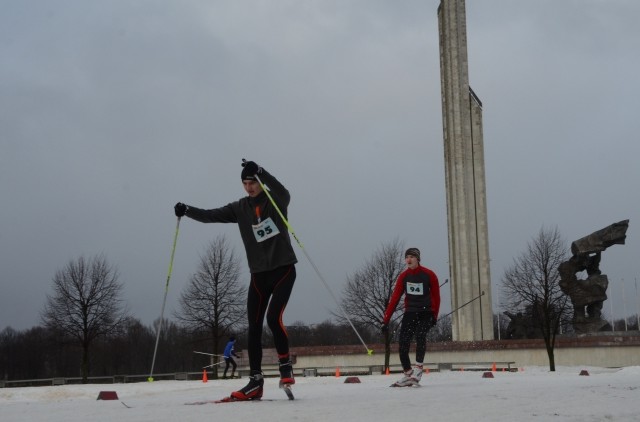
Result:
493,367
337,372
107,395
204,376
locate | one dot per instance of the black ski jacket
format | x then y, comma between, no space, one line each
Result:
268,254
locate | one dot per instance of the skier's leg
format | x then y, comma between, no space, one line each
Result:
226,367
422,327
284,280
233,367
407,331
256,308
257,299
424,323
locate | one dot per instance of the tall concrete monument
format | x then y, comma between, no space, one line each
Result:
465,182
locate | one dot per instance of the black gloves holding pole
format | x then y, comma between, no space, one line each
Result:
180,209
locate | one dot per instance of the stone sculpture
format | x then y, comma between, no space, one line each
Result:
588,295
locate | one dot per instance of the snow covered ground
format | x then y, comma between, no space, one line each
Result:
534,394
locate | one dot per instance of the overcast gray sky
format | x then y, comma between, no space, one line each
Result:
113,111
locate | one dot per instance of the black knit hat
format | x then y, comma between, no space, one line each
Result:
245,175
413,252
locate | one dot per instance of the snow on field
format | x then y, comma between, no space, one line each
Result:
534,394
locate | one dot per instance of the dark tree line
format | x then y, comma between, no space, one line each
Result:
38,353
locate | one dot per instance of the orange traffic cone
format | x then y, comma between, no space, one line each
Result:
493,367
204,376
337,372
386,372
426,370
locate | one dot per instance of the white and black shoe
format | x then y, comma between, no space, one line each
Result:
407,380
418,370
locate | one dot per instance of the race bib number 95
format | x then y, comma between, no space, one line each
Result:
265,230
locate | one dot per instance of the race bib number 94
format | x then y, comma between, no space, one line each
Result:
415,289
265,230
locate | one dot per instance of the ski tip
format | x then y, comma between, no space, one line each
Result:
395,384
287,390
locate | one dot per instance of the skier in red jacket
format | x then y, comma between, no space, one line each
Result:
421,306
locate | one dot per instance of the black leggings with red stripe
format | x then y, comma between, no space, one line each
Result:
268,294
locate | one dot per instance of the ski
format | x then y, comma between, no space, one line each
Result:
225,400
408,384
234,400
288,391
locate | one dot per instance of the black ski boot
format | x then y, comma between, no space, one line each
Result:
286,373
251,391
286,377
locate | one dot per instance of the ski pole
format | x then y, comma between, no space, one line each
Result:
463,305
213,364
369,351
164,301
445,282
208,354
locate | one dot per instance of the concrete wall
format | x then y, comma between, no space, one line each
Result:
603,351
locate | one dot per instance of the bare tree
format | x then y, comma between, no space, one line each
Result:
442,331
86,303
369,289
214,301
532,287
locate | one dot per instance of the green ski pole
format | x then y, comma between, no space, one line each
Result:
273,202
164,302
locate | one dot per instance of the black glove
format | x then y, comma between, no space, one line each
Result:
384,329
250,168
180,209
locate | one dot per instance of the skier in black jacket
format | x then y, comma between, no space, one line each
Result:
271,262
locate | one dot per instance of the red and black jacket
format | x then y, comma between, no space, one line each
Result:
421,292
